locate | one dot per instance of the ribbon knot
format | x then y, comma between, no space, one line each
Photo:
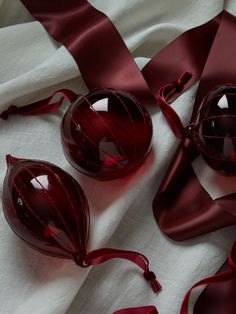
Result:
150,276
79,258
188,131
11,110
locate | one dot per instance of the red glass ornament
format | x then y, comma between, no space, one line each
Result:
217,129
106,134
213,127
47,208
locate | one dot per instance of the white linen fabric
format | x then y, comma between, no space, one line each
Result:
32,66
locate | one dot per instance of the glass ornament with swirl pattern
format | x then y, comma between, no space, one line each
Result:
48,210
106,134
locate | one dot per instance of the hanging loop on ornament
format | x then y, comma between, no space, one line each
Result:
182,81
48,105
164,95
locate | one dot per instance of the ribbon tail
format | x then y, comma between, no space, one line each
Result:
156,286
102,255
40,107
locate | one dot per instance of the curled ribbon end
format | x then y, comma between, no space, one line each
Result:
150,276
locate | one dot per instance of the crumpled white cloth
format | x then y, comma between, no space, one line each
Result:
32,66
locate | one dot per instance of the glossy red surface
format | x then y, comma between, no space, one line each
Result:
217,129
106,134
46,207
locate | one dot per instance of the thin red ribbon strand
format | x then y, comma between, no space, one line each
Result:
138,310
102,255
47,105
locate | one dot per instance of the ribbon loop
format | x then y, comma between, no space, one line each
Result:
47,105
180,83
167,92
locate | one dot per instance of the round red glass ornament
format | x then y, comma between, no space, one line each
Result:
106,134
46,207
216,129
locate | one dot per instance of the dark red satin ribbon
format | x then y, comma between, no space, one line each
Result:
138,310
183,53
226,276
94,42
103,58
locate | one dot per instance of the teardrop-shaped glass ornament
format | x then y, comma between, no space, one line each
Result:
46,207
106,134
216,120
